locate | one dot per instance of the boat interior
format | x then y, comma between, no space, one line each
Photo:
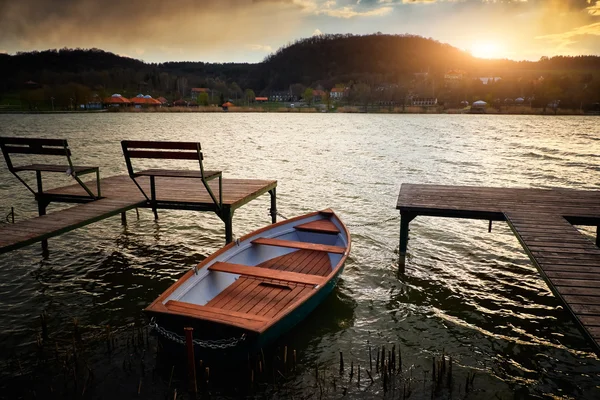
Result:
255,281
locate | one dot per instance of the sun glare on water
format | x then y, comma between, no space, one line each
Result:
485,50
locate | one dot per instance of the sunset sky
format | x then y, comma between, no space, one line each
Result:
248,30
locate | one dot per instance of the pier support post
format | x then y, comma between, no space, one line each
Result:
153,196
598,236
227,217
123,218
273,210
405,219
42,204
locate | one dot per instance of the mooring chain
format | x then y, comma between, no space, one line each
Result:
358,225
209,344
374,222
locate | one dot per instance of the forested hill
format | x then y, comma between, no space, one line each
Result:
341,58
324,61
382,58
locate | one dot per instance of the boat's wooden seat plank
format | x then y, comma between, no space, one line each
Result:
269,300
242,320
287,262
292,296
230,293
243,296
301,261
299,245
319,226
320,265
268,273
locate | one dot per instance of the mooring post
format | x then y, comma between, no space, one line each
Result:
123,218
598,236
405,219
189,345
273,210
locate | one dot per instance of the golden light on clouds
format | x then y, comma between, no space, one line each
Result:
247,30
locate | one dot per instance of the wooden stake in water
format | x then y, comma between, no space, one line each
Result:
370,359
189,345
341,363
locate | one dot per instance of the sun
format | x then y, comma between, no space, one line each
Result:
485,50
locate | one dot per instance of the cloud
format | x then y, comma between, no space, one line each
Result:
260,47
594,9
317,32
350,12
127,26
566,38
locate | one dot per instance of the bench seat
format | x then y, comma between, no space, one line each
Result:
178,173
55,168
268,273
299,245
247,321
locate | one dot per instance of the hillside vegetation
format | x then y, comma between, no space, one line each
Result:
374,63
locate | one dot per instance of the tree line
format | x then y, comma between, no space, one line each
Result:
374,67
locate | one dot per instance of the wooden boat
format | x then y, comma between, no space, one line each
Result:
253,290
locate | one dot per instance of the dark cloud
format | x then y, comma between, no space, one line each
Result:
134,26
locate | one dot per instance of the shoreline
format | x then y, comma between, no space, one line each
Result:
308,110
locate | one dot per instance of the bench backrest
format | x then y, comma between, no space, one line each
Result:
149,149
49,147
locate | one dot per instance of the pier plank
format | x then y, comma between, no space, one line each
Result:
120,194
542,221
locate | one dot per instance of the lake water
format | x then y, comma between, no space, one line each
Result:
471,294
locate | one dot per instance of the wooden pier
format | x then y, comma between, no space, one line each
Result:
542,220
119,194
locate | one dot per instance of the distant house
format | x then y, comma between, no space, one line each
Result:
261,99
424,101
197,90
454,77
94,104
338,93
318,95
488,80
281,96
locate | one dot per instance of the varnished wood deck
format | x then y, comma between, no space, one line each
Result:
269,297
236,192
120,194
542,221
33,230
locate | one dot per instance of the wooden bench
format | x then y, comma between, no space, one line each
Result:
319,226
46,147
268,273
247,321
169,151
299,245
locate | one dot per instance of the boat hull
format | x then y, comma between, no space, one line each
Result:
302,285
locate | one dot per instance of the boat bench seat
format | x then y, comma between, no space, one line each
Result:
299,245
319,226
251,322
259,272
